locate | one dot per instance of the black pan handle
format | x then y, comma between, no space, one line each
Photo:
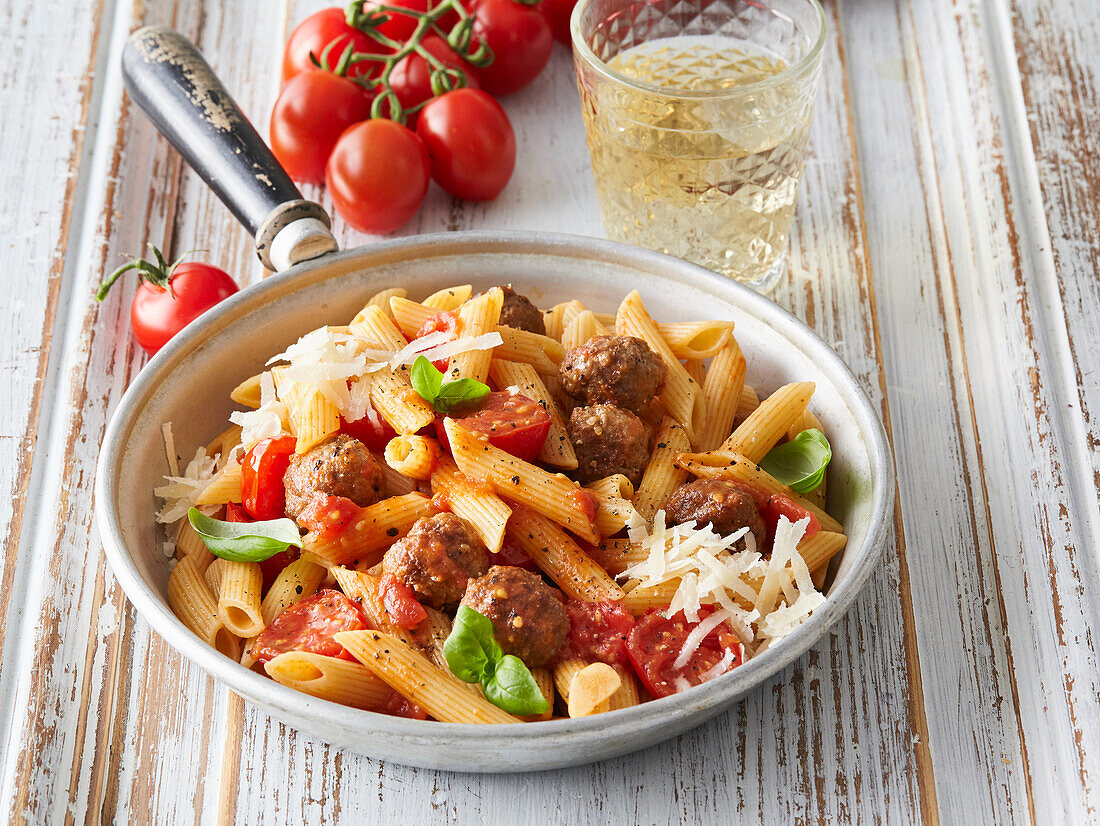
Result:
168,78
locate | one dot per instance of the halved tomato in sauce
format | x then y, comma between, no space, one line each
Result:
446,322
780,505
309,625
328,515
514,423
401,602
262,469
598,631
655,643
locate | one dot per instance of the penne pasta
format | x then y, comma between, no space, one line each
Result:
367,537
449,299
474,501
557,450
411,674
722,389
560,557
247,393
239,596
392,395
476,317
195,606
329,678
766,425
394,483
223,488
381,299
612,511
661,475
681,394
312,417
366,588
582,327
376,329
696,339
614,486
627,694
554,495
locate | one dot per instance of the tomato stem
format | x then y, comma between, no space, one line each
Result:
159,272
444,78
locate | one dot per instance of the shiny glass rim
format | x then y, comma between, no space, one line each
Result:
583,51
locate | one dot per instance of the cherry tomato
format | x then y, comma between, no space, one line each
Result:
372,430
310,114
446,322
411,78
262,491
655,642
514,423
557,14
328,515
598,631
309,625
400,602
236,513
521,41
780,505
315,33
378,175
471,143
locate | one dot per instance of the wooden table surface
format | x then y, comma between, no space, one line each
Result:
946,246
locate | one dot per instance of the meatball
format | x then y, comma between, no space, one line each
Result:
617,370
520,313
722,505
437,558
529,619
608,440
342,466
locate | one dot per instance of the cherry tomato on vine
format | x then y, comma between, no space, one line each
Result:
411,78
315,33
521,40
378,175
471,143
557,14
400,26
310,114
170,296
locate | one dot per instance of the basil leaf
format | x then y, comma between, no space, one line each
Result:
456,394
800,463
244,541
471,650
444,397
426,380
513,689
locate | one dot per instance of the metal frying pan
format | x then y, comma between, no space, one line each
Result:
189,380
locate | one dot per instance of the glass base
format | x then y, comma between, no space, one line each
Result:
768,281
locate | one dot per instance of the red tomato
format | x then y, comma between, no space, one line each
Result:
310,114
512,554
471,143
598,630
557,14
236,513
780,505
411,78
655,643
328,515
309,626
315,33
401,603
262,491
521,41
439,323
157,313
514,423
372,430
378,175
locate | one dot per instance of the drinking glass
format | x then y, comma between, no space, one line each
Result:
697,114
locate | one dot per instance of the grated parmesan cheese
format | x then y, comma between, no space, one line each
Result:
327,360
445,349
181,491
267,421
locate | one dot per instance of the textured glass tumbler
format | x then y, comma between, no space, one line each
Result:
697,114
